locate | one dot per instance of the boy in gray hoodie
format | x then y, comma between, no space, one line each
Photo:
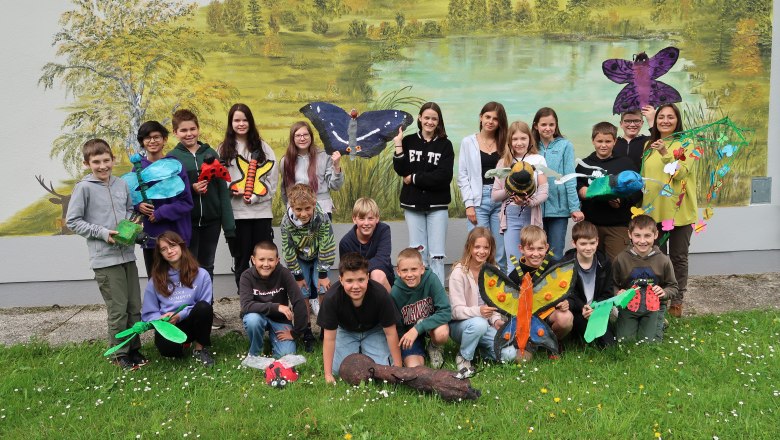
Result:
425,310
98,203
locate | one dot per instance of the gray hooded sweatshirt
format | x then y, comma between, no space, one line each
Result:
94,209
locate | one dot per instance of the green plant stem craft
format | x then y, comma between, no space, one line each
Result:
599,318
165,328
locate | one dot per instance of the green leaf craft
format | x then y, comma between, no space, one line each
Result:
599,318
165,328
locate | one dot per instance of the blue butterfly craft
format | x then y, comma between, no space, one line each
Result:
640,78
160,180
364,135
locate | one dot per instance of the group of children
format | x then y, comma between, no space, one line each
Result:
397,315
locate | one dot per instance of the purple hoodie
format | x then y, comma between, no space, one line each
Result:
156,305
172,214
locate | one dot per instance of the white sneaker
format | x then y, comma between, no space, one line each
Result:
465,370
315,306
435,355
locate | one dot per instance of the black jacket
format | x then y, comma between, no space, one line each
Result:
602,288
600,212
430,164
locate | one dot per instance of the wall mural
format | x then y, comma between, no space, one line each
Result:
123,62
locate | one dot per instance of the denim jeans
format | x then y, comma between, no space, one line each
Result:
488,216
472,333
555,227
372,343
516,219
429,230
256,324
311,276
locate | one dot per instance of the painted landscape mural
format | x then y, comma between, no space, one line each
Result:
123,62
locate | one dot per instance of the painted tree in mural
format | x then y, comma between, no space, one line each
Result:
124,62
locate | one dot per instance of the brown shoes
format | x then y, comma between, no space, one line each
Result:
676,310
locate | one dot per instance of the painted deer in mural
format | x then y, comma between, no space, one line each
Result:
58,199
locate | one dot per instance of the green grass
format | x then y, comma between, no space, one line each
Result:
713,377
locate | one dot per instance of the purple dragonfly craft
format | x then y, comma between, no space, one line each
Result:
364,135
640,78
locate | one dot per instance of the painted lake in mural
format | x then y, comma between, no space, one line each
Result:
459,72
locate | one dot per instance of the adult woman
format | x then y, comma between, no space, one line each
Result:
253,215
480,153
659,154
425,160
177,280
304,163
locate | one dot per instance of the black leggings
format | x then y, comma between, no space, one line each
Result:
197,327
249,232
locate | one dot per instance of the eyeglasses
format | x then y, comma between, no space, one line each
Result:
156,138
632,121
165,249
302,136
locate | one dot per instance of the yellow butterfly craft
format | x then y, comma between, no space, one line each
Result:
251,174
526,306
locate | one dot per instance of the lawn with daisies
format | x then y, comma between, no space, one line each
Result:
714,377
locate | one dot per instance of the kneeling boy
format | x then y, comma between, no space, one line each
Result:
357,315
425,309
371,239
271,300
594,282
643,265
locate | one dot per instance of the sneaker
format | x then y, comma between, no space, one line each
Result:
315,306
124,363
465,370
137,358
203,356
218,322
435,355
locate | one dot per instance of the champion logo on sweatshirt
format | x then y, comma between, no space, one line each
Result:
257,292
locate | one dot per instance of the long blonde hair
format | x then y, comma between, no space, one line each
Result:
471,240
509,156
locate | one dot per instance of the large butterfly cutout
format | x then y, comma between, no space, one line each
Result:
251,174
364,135
527,305
640,78
159,180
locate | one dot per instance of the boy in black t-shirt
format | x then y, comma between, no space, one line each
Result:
357,316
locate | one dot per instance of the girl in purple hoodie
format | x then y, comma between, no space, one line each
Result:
177,280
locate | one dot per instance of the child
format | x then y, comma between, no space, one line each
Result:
643,265
425,161
632,143
211,199
253,216
357,316
474,323
304,163
425,310
177,280
172,214
480,153
308,247
610,216
594,280
562,201
98,203
534,247
514,215
371,239
271,300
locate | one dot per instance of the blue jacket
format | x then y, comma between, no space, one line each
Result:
562,200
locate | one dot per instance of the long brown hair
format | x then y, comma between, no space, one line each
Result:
291,157
655,133
188,265
541,113
254,143
476,233
503,125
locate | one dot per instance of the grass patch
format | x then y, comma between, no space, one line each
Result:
714,377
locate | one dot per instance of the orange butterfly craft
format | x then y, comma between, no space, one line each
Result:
526,306
250,183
